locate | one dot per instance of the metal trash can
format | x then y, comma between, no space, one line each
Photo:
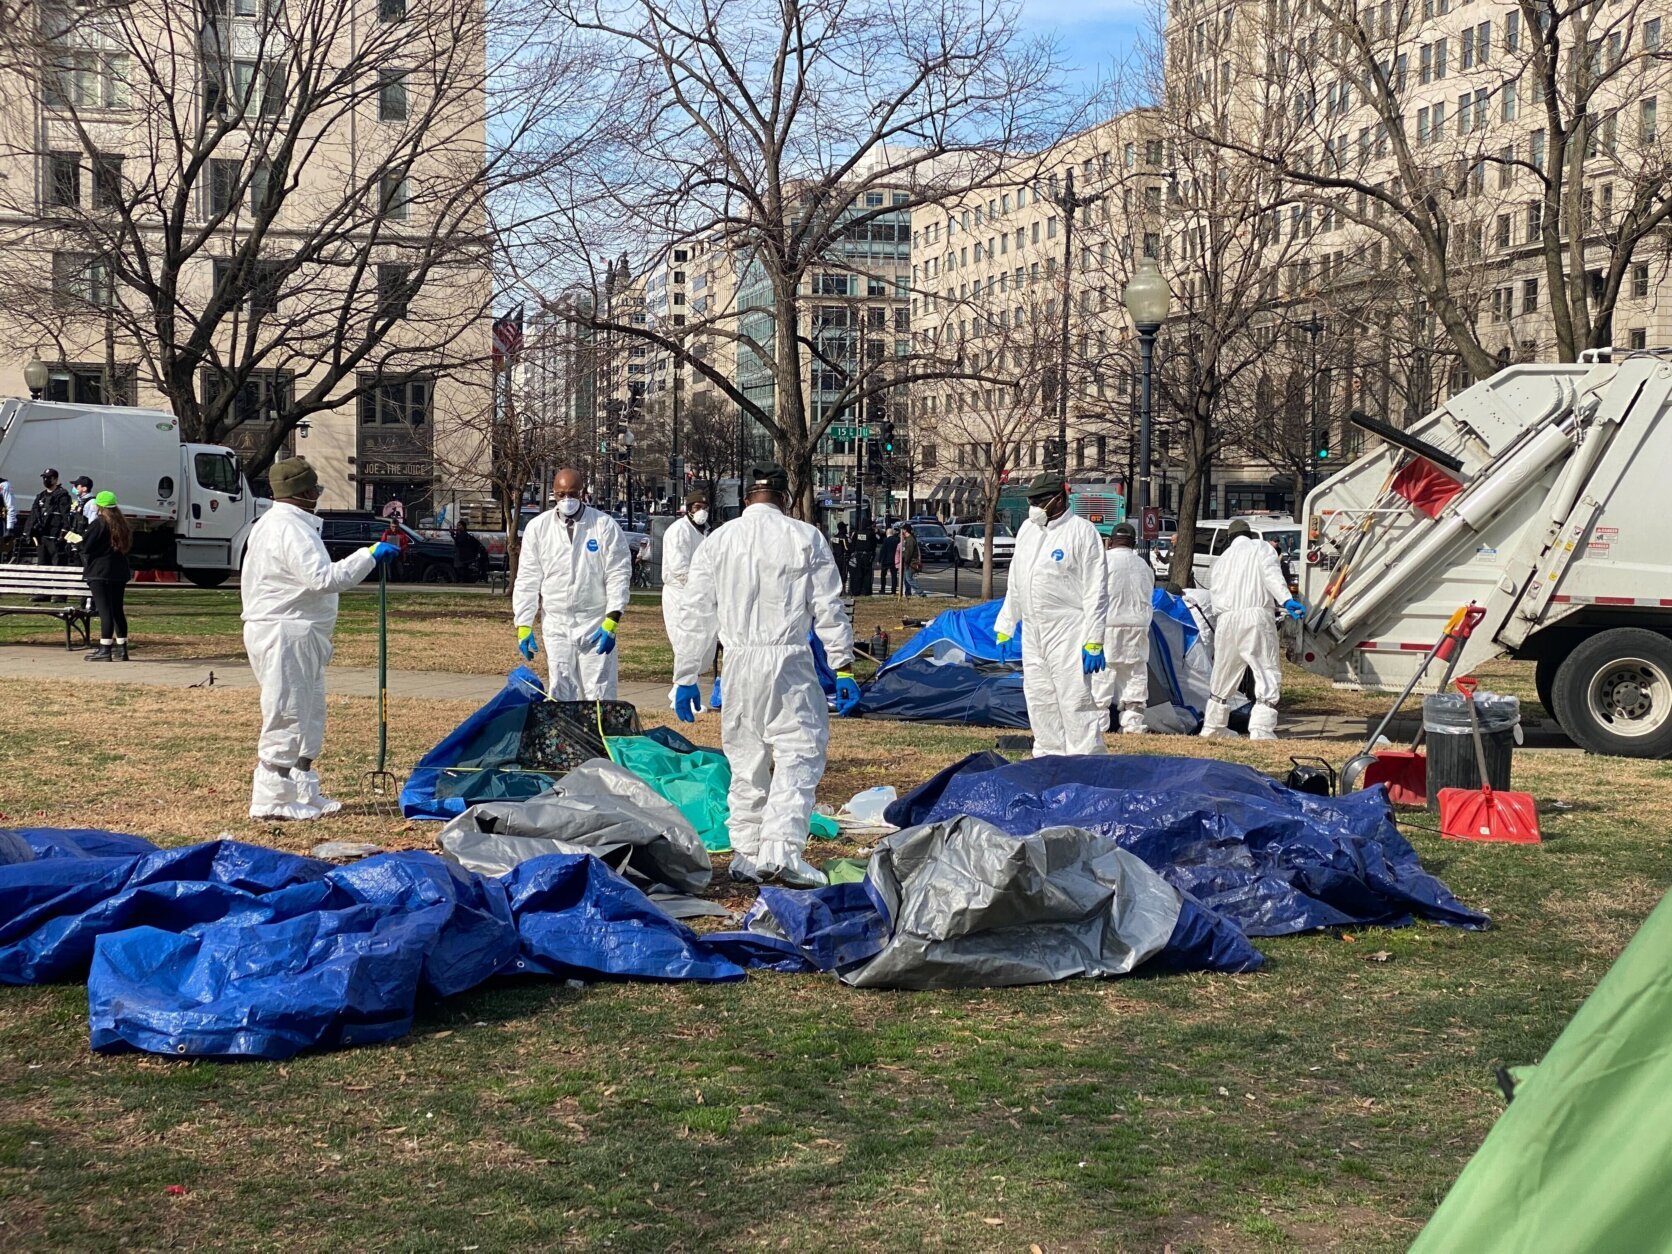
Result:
1451,747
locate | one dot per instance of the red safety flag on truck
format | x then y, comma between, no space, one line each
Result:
1426,486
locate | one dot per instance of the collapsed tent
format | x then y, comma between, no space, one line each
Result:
1272,860
226,948
520,745
1578,1161
962,904
956,670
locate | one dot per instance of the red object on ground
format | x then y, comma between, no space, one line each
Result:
1405,773
177,1190
1482,813
1426,486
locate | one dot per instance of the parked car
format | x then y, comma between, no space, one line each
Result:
933,542
968,539
423,560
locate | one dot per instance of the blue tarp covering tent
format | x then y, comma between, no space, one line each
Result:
955,670
232,949
1272,860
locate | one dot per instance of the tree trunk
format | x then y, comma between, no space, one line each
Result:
991,519
1190,496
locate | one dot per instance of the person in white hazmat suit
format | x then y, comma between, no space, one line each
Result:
575,573
758,585
679,546
1246,584
1126,642
289,587
1059,596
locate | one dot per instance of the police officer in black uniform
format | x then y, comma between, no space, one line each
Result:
49,519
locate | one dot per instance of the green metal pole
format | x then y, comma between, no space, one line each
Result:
382,664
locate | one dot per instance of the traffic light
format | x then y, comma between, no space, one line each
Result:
1321,447
888,439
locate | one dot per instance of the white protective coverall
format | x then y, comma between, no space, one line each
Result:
1247,585
1126,642
289,587
1058,593
758,584
679,546
572,581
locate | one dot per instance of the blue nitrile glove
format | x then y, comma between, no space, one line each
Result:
603,639
685,698
1296,609
382,552
847,693
714,697
527,645
1092,659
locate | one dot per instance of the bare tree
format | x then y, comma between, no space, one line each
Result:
1524,136
798,135
280,207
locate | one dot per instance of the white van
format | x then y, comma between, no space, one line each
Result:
1280,530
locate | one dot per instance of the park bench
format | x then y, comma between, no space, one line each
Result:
19,584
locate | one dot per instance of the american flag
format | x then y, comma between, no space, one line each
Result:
507,335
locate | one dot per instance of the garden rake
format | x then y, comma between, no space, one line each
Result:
381,786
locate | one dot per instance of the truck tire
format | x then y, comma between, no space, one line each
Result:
1544,680
203,577
1613,693
437,572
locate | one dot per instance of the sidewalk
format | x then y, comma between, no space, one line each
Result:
55,666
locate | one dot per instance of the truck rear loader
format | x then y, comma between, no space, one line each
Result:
1539,494
190,505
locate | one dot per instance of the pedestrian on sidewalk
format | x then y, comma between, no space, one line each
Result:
104,564
289,587
888,553
910,560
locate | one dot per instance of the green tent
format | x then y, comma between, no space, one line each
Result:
1579,1160
696,783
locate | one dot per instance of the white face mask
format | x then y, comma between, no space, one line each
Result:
700,518
569,506
1037,514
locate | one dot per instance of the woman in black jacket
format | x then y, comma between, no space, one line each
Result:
104,557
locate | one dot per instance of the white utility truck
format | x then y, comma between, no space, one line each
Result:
1540,495
190,505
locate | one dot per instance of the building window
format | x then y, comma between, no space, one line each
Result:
1646,123
1512,31
396,196
1640,279
63,180
83,279
107,181
1535,221
1050,228
396,400
1639,338
1529,296
84,384
83,79
224,174
1651,35
391,95
261,293
1507,100
391,10
394,290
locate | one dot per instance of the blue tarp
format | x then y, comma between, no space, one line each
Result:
1272,860
232,949
980,683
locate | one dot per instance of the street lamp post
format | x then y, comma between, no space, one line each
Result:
35,378
1146,299
1314,327
627,442
1068,202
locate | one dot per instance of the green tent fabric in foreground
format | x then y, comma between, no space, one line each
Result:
1579,1159
696,783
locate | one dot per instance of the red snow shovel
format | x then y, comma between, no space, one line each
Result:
1482,814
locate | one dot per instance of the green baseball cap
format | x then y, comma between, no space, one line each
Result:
105,499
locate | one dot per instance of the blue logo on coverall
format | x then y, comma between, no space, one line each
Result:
1056,555
592,546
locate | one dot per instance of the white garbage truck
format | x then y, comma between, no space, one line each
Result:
1539,495
190,505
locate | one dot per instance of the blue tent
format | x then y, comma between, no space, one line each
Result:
955,670
1272,860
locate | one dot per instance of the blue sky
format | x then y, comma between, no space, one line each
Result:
1093,33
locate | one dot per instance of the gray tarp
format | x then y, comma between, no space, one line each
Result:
971,906
598,808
